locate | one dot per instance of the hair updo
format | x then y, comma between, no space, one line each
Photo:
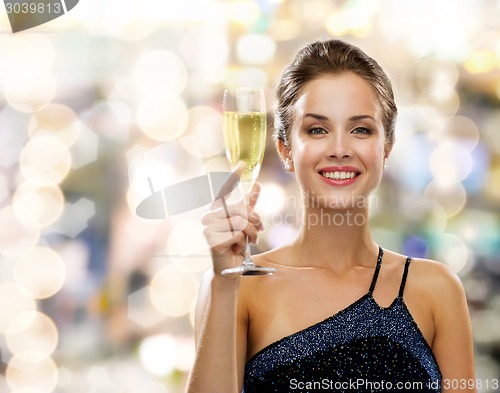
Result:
331,57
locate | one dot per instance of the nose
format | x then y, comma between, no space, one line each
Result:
339,146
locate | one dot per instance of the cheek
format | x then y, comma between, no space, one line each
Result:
305,151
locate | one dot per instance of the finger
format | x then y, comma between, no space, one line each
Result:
254,194
222,241
232,180
238,213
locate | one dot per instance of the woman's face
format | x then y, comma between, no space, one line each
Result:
337,140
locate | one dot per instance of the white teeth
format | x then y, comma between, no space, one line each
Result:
339,175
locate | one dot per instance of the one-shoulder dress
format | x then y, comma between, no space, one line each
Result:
363,348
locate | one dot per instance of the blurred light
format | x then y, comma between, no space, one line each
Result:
4,188
416,246
412,173
152,387
132,22
172,291
11,140
41,271
45,160
141,310
272,199
192,263
75,217
247,76
24,56
450,196
56,120
109,119
205,124
244,12
186,238
158,354
206,49
159,71
146,178
436,77
33,370
18,58
255,49
493,184
480,62
32,331
478,176
30,93
436,108
285,29
355,20
425,219
217,164
491,130
15,237
450,163
480,229
162,117
447,31
391,239
462,130
191,12
37,206
451,250
312,13
100,380
14,300
84,151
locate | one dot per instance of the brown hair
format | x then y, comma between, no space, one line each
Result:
331,57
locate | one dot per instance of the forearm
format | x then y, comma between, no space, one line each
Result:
215,368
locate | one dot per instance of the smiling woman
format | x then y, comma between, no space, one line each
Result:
340,310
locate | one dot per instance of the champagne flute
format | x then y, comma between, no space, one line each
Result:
245,139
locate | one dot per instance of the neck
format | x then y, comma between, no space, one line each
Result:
336,238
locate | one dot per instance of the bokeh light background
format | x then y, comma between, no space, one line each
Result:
96,299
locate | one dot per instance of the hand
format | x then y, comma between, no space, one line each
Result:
227,224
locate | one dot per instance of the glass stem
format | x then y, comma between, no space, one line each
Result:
247,188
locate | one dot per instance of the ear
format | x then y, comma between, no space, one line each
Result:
387,151
286,156
283,150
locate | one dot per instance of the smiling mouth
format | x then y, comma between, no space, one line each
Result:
339,175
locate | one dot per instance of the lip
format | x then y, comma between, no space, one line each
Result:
339,168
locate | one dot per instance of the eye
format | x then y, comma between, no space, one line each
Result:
361,131
316,131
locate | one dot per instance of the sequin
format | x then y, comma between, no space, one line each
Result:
363,348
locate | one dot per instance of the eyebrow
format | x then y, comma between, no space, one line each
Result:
352,118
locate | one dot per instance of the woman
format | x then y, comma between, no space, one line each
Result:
340,313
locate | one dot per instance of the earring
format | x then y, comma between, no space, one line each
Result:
386,165
288,166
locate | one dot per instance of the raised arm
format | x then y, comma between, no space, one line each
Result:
220,323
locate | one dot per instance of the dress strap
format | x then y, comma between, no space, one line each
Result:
405,274
377,270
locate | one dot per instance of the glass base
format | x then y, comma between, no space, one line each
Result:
248,270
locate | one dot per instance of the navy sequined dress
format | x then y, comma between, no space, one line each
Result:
363,348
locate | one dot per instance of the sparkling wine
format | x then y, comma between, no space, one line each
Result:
245,139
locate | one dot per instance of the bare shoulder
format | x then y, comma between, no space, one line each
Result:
436,276
441,285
